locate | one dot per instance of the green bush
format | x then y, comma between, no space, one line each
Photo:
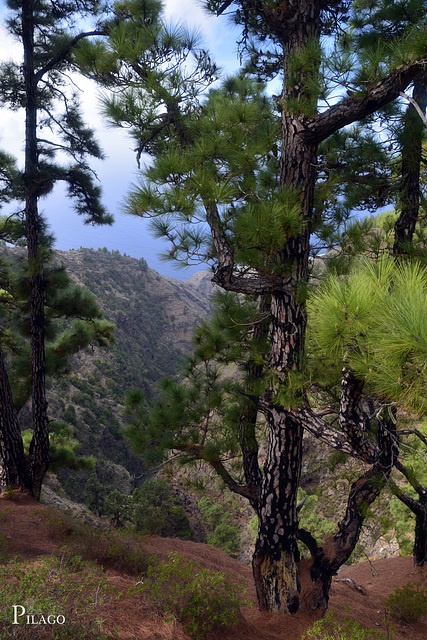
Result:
71,591
116,506
157,511
119,550
408,603
95,494
225,535
328,628
200,599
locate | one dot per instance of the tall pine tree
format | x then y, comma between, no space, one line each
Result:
39,84
233,183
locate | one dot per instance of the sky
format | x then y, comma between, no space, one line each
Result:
118,171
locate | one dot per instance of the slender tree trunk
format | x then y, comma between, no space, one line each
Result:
39,449
328,558
12,457
410,191
418,506
420,544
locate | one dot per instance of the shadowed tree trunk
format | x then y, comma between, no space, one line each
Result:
38,460
12,457
412,147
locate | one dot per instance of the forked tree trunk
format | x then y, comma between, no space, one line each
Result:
328,558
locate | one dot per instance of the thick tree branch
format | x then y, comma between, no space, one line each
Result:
354,108
225,273
353,423
322,430
62,55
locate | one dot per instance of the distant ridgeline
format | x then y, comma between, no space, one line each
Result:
154,318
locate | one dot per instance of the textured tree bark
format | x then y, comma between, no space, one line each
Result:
410,191
38,459
12,457
276,552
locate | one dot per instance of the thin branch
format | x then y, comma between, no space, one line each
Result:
62,56
416,106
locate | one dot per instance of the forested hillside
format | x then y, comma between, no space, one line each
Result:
154,318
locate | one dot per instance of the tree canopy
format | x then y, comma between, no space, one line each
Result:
256,186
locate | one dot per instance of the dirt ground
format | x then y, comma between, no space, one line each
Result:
358,591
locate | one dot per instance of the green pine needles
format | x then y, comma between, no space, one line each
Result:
374,323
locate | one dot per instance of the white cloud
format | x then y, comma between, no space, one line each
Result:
118,171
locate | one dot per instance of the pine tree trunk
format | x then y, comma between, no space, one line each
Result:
39,449
420,544
276,553
12,457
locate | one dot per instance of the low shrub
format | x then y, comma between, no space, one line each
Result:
53,599
408,603
328,628
224,534
200,599
119,550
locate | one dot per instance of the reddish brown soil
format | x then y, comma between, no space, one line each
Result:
358,592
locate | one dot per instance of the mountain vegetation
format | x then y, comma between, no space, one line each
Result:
153,320
257,186
246,182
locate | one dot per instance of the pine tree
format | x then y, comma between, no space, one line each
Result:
48,33
247,168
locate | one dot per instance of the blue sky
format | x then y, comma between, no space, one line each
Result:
118,171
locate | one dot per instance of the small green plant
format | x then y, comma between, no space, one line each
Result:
329,628
200,599
4,513
157,511
56,599
408,603
9,493
120,550
4,546
225,535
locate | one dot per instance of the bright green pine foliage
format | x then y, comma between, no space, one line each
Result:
375,323
229,162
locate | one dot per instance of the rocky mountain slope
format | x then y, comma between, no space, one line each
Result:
154,318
